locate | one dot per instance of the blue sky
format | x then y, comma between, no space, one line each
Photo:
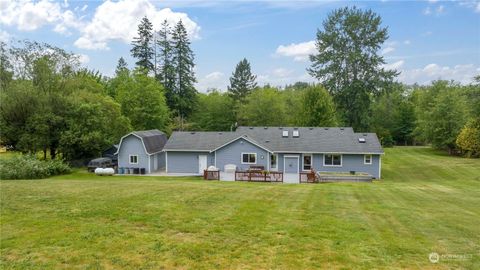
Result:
428,40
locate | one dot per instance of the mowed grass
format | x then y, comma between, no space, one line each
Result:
427,202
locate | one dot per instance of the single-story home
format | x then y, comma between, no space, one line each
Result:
142,150
285,149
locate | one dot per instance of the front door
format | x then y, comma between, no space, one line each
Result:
291,164
202,163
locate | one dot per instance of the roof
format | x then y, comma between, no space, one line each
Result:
310,140
153,140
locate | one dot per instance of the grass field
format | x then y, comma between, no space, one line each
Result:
427,202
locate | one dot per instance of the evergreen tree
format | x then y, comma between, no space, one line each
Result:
183,96
121,66
142,49
348,64
242,81
166,71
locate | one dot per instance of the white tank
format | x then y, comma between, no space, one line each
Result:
104,171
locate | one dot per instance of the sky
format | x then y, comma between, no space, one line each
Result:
428,40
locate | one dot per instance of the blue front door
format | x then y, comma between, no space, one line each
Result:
291,164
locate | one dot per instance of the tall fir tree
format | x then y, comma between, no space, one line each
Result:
183,98
348,62
142,46
242,81
122,66
165,68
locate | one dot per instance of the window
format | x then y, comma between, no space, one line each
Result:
307,162
273,161
367,159
249,158
332,160
133,159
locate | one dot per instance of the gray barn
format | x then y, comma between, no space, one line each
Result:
142,149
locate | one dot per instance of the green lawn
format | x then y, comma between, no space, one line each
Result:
427,202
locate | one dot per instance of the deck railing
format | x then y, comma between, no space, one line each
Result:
308,177
211,175
258,176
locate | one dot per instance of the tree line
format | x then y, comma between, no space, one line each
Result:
50,103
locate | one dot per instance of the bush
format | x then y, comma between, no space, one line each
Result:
28,167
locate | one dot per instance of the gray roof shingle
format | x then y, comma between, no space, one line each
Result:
154,140
311,139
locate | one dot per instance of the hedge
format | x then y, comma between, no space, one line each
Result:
29,167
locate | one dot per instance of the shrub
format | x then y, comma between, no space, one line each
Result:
28,167
468,139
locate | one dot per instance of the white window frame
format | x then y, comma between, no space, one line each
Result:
303,162
365,159
130,159
341,160
270,161
241,158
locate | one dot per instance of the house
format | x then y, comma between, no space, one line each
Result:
285,149
142,150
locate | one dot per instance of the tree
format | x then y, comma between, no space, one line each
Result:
318,108
6,75
242,81
182,100
468,139
122,67
348,64
142,46
214,112
263,107
142,100
166,70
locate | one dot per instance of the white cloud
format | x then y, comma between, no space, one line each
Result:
427,11
119,21
475,5
280,77
83,58
437,11
4,36
460,73
440,9
111,20
388,50
407,42
394,65
28,15
299,51
214,80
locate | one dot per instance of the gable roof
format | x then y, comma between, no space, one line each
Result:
153,140
310,140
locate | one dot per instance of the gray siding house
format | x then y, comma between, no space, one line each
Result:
142,149
286,149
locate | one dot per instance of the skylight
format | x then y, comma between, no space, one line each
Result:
296,133
285,133
361,140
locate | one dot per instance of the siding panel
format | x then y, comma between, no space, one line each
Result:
132,145
231,154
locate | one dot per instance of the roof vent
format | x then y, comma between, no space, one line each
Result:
342,128
361,140
192,132
265,128
251,127
296,134
267,141
311,128
365,134
285,133
220,133
326,128
280,128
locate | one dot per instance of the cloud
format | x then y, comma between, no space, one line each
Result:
388,50
437,11
27,15
83,58
427,11
119,21
4,36
475,5
280,77
460,73
407,42
111,20
214,80
299,51
395,65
